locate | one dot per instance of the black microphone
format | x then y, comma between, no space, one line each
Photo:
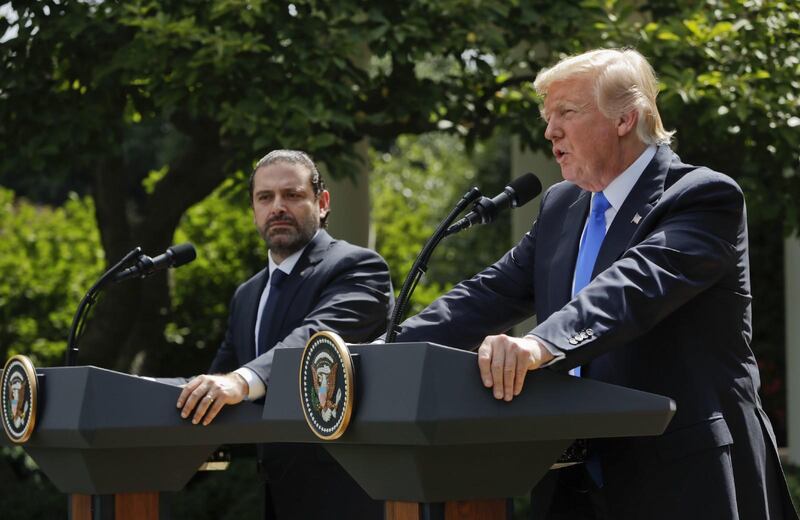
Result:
175,256
519,192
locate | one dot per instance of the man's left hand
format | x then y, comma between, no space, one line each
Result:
206,395
504,361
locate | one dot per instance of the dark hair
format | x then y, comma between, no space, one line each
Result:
293,157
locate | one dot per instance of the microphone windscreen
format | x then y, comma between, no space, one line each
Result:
182,254
526,187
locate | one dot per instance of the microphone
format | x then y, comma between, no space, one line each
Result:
175,256
519,192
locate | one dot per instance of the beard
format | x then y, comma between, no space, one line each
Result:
291,236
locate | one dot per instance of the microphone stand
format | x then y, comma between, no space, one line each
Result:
421,263
79,320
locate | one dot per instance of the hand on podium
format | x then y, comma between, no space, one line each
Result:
504,361
207,394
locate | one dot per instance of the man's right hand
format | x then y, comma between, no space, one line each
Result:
505,360
206,395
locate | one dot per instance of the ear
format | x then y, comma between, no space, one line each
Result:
324,201
626,123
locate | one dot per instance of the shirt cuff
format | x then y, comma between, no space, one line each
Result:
256,387
558,355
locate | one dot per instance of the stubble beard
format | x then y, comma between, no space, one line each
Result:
289,240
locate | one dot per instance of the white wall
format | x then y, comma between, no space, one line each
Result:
350,204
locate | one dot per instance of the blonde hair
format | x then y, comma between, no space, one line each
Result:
623,81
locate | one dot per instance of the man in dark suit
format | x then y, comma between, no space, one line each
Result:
637,270
312,283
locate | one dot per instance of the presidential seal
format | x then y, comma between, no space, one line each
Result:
19,393
326,385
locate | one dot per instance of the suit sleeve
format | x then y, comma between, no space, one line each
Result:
692,248
491,302
354,304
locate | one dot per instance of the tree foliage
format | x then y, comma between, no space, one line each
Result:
229,252
48,259
149,105
416,182
144,108
730,74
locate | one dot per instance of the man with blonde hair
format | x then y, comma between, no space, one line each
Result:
637,271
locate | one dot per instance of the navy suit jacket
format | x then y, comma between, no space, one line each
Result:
334,286
667,311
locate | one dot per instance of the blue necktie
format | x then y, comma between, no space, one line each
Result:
587,256
591,242
268,314
590,246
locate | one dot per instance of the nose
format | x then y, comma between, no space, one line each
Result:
553,130
278,204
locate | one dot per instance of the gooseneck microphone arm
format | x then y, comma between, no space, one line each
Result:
175,256
421,263
79,320
519,192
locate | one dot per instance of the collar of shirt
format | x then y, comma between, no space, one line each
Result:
618,190
289,262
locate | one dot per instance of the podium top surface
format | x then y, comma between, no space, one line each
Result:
91,407
406,394
428,394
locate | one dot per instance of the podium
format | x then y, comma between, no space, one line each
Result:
424,429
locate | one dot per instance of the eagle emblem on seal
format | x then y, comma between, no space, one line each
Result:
19,405
323,370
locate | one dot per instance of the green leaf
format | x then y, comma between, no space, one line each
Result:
668,36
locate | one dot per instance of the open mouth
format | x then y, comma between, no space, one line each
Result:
559,154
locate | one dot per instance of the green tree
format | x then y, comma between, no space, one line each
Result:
48,258
229,252
415,184
729,70
151,105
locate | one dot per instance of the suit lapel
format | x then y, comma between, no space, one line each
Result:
638,204
251,301
562,266
302,271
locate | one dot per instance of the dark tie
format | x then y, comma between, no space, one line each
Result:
267,316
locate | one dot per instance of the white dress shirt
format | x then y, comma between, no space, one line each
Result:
256,386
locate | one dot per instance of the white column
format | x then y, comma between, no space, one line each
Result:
350,204
791,269
349,218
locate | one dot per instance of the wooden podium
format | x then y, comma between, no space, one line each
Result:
424,431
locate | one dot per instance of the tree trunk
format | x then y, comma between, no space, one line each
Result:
126,330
